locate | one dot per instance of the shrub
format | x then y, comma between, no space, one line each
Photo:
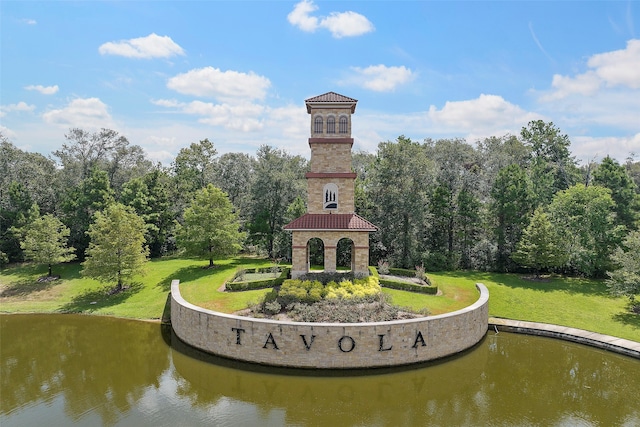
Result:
345,311
304,291
272,307
383,267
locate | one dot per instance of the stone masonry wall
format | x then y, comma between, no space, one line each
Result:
330,240
315,195
336,113
330,158
329,345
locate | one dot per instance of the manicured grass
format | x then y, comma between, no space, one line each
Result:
146,297
578,303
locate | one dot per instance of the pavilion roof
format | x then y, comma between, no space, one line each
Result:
331,221
331,98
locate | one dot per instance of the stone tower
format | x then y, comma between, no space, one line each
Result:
330,213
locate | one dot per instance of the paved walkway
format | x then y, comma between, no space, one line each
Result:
607,342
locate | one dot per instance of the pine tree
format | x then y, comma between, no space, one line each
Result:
539,246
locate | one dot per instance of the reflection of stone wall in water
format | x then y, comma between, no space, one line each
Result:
329,345
354,400
504,379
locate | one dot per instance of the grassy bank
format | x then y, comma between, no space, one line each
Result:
578,303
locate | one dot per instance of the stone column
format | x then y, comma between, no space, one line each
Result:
330,254
299,257
361,260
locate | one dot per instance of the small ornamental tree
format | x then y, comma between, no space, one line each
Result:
45,241
210,226
116,250
626,279
539,247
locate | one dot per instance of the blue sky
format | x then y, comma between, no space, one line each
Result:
166,74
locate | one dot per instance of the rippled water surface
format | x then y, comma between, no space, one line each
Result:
61,370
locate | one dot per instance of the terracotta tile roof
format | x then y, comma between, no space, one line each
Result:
331,98
331,222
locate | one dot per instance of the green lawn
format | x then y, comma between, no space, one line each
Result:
145,299
578,303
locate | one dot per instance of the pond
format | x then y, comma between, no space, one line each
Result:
61,370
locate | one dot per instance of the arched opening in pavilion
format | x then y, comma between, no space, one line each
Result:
315,254
345,252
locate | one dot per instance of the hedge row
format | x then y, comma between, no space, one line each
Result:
257,284
404,272
403,286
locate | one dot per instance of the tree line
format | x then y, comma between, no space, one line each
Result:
502,204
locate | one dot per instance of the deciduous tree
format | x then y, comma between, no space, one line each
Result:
210,226
584,219
399,180
625,279
45,241
116,249
552,168
610,174
278,180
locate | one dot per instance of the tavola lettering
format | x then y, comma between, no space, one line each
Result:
304,340
238,330
272,341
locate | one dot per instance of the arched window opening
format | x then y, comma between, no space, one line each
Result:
344,125
317,128
330,196
345,254
331,124
315,254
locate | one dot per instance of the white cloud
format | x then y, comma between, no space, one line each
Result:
81,112
20,106
586,148
584,84
151,46
381,78
346,24
244,117
29,21
485,113
45,90
299,16
340,24
228,86
619,68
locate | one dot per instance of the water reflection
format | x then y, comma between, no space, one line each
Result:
85,370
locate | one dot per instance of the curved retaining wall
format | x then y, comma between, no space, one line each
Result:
329,345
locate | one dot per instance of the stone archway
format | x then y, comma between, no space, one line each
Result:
345,254
315,253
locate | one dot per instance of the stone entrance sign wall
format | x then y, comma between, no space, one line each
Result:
329,345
